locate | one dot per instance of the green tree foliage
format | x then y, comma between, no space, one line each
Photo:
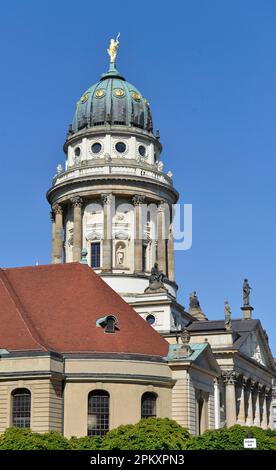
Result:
231,439
25,439
86,443
148,434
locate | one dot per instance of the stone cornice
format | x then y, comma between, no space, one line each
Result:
83,185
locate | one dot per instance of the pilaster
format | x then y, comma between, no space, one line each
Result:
58,238
138,201
77,234
107,199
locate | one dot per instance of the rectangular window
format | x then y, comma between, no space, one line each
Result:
274,410
95,255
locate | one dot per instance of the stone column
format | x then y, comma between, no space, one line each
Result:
249,418
138,232
217,403
58,238
269,409
77,234
107,233
241,414
262,400
170,254
161,240
256,401
53,219
264,423
229,378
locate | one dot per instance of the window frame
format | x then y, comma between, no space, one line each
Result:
148,396
25,411
99,255
102,417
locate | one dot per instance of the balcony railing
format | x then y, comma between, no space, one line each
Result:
80,171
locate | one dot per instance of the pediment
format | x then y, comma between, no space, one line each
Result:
253,347
206,360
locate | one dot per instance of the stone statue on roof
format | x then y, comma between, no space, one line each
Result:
156,279
246,293
227,313
113,48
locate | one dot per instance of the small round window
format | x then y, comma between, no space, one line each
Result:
77,151
120,147
150,319
96,148
142,150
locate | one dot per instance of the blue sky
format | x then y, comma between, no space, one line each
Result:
208,69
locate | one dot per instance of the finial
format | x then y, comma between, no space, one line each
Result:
194,302
113,48
185,336
185,349
195,308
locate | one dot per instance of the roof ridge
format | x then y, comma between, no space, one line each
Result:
20,309
41,266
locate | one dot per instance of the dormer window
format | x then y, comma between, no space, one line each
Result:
109,323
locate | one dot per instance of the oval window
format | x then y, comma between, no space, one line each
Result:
96,148
142,150
150,319
77,151
120,147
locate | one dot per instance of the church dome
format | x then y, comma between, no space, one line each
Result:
112,100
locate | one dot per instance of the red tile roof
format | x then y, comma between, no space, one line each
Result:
55,307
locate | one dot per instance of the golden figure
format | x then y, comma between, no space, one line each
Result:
113,47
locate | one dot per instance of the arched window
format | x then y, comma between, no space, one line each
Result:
98,413
148,405
21,408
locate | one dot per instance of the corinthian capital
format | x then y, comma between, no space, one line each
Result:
57,209
138,199
106,198
230,377
77,201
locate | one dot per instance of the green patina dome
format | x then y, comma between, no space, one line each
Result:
112,100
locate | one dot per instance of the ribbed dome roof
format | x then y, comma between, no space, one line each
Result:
112,100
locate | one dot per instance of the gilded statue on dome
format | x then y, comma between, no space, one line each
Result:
113,48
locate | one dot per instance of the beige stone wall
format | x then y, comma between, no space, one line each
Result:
184,404
180,393
211,411
46,403
125,404
192,408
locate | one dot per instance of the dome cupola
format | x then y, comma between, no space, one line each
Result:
112,101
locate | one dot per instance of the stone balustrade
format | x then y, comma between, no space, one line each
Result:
111,169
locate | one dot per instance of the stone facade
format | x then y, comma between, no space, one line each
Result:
112,209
